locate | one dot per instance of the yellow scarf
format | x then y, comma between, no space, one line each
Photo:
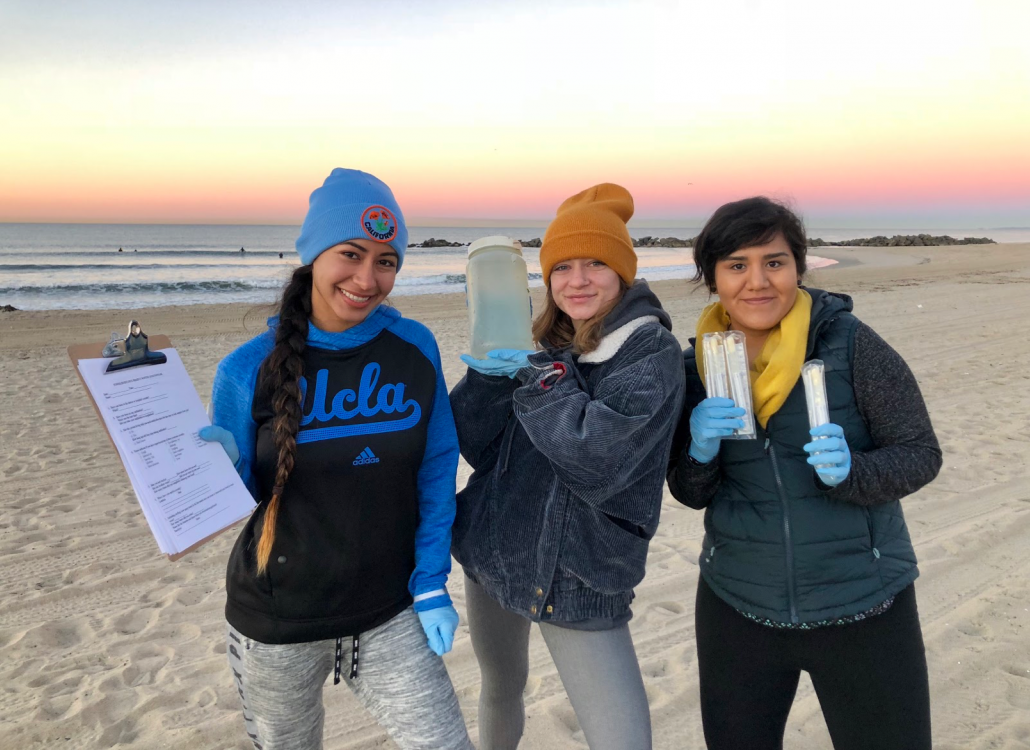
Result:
777,368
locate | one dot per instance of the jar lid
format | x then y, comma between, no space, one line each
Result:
499,241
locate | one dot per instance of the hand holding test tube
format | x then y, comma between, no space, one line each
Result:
726,376
813,375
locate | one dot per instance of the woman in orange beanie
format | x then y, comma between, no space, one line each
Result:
568,445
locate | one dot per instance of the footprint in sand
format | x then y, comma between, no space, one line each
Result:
145,666
976,629
92,572
65,686
121,733
533,684
1018,695
206,697
1017,670
567,718
190,597
178,633
656,696
655,669
669,608
52,709
54,635
132,622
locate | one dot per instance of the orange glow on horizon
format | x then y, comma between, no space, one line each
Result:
242,131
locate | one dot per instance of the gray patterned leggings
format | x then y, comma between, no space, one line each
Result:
400,681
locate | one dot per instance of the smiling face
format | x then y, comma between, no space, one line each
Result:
757,286
348,281
581,287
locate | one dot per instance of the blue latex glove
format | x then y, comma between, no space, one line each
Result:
215,434
711,421
829,454
440,624
499,362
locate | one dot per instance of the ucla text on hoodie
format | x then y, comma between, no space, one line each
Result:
364,521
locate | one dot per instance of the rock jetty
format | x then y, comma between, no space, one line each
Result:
433,242
902,240
898,240
642,242
663,242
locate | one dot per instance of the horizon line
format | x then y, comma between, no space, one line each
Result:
460,223
420,222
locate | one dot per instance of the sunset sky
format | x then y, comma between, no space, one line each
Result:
889,112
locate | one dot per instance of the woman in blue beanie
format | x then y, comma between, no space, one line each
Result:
338,420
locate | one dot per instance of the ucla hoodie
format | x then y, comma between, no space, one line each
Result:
364,525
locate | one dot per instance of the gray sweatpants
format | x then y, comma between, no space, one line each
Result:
400,681
599,670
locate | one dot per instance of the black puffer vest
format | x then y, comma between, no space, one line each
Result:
777,545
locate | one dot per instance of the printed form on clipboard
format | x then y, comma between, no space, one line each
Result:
188,488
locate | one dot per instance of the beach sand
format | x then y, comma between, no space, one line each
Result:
105,643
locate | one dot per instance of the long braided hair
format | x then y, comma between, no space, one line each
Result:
280,374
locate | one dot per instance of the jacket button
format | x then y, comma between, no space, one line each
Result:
539,592
282,559
532,610
550,609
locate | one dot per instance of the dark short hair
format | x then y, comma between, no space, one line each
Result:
746,223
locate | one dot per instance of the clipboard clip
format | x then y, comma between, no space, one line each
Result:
137,352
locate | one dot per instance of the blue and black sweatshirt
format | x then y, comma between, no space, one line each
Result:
364,526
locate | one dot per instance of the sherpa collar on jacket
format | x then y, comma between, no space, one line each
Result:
610,344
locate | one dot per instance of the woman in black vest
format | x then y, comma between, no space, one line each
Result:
807,562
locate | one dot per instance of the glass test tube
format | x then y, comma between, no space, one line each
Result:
740,381
716,380
813,375
726,375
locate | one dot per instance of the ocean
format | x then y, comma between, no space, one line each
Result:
79,266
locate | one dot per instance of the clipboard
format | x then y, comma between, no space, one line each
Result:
96,351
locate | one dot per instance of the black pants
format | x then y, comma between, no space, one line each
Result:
870,677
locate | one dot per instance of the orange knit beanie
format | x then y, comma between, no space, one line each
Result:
592,224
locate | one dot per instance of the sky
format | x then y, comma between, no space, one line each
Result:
879,113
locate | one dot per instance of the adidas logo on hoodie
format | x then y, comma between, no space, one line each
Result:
366,457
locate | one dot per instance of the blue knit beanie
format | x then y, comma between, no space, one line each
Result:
351,205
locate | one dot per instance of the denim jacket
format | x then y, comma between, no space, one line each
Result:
567,480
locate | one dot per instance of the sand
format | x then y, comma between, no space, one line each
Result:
105,643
